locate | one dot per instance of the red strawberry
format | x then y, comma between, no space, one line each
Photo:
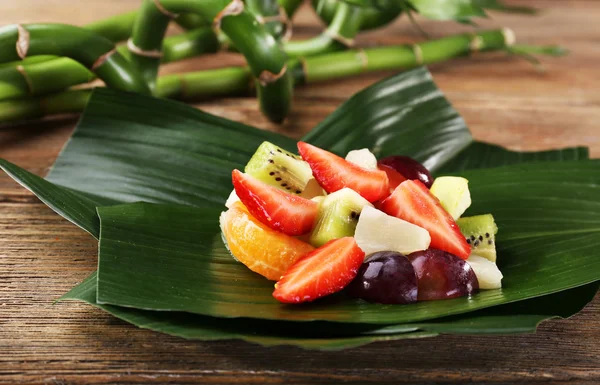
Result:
413,202
394,177
334,173
321,272
287,213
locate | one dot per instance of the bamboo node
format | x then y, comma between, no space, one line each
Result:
102,59
282,18
234,8
509,36
22,41
165,11
364,59
476,43
267,77
134,49
23,72
339,38
418,52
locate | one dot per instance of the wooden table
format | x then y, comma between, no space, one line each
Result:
504,100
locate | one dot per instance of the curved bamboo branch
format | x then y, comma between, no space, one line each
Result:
339,34
88,48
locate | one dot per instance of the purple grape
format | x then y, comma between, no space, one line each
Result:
409,168
442,275
386,277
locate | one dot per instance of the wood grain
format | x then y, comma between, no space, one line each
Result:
504,100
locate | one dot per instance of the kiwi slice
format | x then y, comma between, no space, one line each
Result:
338,216
480,232
279,168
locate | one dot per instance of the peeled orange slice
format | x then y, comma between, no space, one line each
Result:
263,250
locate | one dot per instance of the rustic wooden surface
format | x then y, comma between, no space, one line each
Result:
503,100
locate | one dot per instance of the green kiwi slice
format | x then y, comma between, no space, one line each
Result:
480,232
279,168
338,216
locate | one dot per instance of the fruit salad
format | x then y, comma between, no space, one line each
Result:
382,231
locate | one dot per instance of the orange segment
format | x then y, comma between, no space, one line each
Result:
263,250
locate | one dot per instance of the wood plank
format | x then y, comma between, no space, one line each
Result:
503,100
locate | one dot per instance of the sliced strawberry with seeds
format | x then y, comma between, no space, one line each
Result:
334,173
413,202
287,213
321,272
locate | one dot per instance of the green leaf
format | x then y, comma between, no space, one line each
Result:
111,159
322,336
484,155
404,114
520,317
165,257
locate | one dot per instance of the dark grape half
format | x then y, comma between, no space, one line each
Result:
409,168
386,277
442,275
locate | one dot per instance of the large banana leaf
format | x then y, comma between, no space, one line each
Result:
129,148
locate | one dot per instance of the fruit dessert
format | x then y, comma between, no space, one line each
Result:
382,231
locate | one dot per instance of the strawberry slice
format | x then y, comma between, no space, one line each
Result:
413,202
334,173
287,213
321,272
394,177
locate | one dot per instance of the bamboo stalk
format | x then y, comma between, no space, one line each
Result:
262,52
371,17
145,44
272,15
34,76
32,108
84,46
39,75
116,28
339,34
238,80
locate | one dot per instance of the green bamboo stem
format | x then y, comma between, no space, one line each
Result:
339,34
374,17
67,102
238,80
33,77
116,28
261,50
39,75
145,44
86,47
271,15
